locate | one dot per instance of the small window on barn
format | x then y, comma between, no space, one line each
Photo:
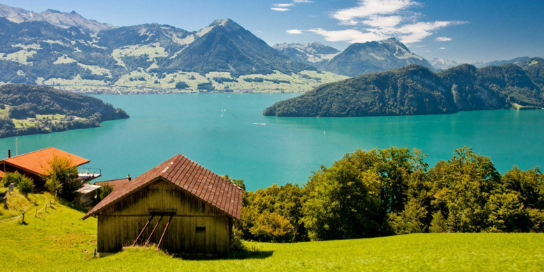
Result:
200,229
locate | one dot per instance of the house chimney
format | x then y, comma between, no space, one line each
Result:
9,153
128,177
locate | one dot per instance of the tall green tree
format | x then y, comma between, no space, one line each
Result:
462,188
62,178
354,196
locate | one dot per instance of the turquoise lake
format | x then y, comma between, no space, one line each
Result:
227,134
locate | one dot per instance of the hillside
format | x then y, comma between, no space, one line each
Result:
26,109
70,52
416,90
56,239
369,57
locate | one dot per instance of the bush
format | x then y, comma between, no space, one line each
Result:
14,178
239,250
272,227
25,186
104,191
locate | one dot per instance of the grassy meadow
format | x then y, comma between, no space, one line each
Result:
56,239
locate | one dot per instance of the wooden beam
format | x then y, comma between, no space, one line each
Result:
164,232
141,232
153,231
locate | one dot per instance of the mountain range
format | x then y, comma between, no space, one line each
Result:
442,64
315,54
415,89
500,62
68,51
357,59
56,18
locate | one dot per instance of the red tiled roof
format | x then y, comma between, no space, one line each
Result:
189,176
2,174
37,162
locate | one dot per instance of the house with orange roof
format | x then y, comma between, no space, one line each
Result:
178,206
35,165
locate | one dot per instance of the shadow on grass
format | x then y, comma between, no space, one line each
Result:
72,205
230,256
237,254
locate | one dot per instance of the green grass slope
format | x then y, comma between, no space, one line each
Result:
58,240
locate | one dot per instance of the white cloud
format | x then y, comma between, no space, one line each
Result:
283,5
369,8
303,1
416,32
443,39
442,48
349,22
348,35
279,9
294,31
374,20
383,22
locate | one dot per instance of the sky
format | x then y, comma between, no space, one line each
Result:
465,31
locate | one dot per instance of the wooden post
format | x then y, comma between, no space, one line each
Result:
23,222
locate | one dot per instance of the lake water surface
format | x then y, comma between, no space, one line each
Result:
227,134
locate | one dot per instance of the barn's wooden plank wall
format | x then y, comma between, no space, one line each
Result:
196,226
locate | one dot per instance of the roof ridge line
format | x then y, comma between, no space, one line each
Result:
32,152
166,169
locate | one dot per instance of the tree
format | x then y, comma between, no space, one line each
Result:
53,185
410,220
438,224
62,177
181,85
506,213
279,201
353,197
461,188
529,184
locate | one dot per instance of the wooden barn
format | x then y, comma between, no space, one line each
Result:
178,206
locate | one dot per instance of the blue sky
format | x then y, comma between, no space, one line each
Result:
460,30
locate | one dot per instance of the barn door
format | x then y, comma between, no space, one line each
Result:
200,239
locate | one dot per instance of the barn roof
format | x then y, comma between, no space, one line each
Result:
189,176
37,162
2,174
